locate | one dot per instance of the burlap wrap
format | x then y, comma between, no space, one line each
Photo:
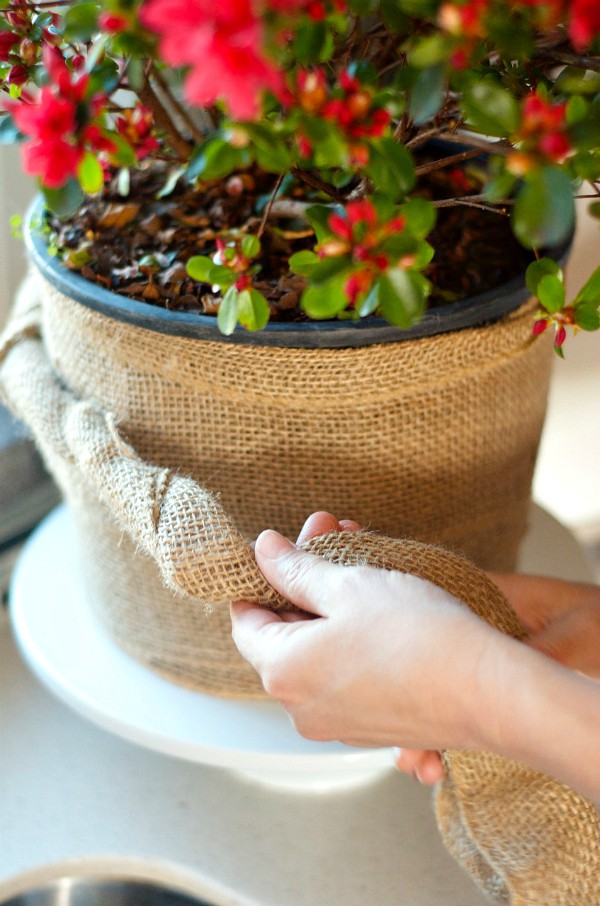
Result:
525,839
433,439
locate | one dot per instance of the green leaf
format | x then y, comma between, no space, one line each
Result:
64,201
393,17
227,316
429,51
392,168
329,267
402,296
90,174
80,21
544,211
250,246
253,309
221,276
420,216
215,159
303,262
427,94
539,269
325,300
371,303
587,316
318,216
313,43
551,293
590,291
490,108
199,267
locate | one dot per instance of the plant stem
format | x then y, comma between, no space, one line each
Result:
269,205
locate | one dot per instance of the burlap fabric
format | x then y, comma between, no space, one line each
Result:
525,839
173,452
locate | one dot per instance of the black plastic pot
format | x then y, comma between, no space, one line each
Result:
476,311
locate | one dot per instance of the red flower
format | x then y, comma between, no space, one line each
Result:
543,132
55,161
48,120
584,25
112,22
223,45
359,232
354,112
135,126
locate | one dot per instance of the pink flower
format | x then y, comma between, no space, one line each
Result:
223,45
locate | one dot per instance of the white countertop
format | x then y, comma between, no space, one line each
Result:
70,790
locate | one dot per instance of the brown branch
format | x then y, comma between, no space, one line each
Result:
488,147
447,161
194,131
163,119
311,180
289,208
472,201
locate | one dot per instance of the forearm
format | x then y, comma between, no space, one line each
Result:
543,714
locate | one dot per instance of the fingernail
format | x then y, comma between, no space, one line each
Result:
272,545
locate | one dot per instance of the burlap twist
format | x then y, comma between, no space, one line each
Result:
525,839
174,452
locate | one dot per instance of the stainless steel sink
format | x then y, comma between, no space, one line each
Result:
98,891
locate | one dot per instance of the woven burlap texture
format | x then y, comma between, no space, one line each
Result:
173,452
525,839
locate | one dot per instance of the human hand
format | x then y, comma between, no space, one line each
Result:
425,765
368,663
563,619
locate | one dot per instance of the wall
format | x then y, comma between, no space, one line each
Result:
16,190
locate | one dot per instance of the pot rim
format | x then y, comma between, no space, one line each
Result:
474,311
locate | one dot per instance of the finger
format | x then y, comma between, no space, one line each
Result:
573,639
250,629
304,579
318,524
425,765
349,525
538,600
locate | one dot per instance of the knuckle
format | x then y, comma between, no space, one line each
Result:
297,575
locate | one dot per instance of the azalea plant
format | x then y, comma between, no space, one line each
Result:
315,120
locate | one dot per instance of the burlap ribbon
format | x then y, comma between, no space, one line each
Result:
524,838
211,560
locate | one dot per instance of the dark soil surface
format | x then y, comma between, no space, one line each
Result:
138,245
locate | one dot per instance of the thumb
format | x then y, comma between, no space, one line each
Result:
304,579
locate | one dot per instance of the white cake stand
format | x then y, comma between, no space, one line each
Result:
72,655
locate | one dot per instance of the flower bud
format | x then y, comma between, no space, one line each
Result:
18,75
8,39
28,51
